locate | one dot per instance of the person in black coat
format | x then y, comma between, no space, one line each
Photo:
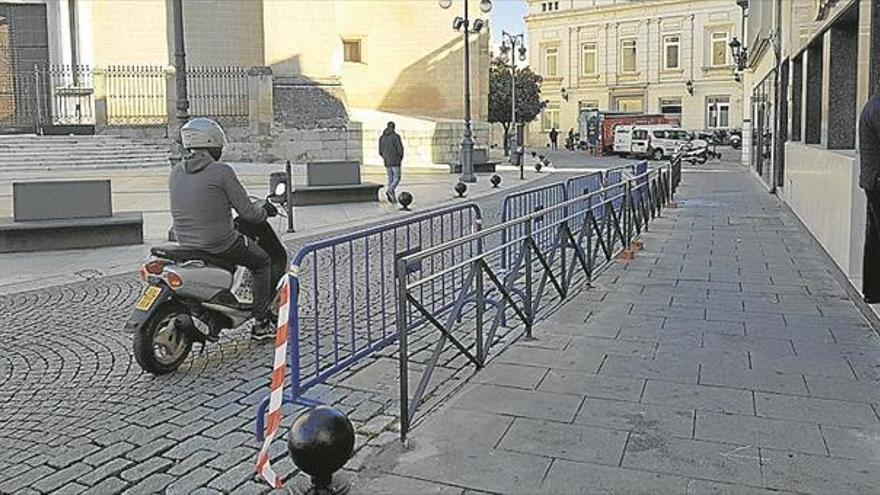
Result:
869,180
391,151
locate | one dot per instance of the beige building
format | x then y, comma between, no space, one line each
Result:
377,58
658,56
811,67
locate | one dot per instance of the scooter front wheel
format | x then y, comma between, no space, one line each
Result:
159,346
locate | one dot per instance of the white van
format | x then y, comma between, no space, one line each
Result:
630,139
656,142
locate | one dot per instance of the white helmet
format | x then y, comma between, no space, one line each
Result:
202,133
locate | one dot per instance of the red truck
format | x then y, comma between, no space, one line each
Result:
597,127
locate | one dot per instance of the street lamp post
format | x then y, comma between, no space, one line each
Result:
509,43
181,114
467,141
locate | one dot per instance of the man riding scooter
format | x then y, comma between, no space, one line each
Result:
202,192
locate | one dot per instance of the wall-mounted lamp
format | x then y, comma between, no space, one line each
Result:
690,87
740,54
564,94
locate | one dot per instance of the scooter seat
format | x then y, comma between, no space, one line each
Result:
178,253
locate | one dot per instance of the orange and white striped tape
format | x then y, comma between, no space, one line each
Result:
273,418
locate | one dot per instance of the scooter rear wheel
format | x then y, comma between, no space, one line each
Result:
159,347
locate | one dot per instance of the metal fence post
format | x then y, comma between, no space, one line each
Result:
530,316
589,236
403,352
481,308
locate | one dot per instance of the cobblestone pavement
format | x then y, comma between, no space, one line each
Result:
78,415
726,358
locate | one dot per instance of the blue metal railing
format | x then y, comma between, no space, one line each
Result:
343,297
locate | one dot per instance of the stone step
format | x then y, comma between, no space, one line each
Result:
19,154
40,152
86,164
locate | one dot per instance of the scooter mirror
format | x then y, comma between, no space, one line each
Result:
280,189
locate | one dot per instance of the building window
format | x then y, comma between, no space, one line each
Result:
543,7
719,49
633,104
550,117
718,112
671,46
629,51
351,50
670,106
588,59
551,61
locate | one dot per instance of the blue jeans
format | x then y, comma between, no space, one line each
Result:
393,179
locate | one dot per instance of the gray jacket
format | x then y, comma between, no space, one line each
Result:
869,144
391,148
202,193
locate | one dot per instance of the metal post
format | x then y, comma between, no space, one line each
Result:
529,310
181,115
515,141
403,351
467,141
589,235
481,308
289,202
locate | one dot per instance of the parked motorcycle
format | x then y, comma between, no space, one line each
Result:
191,296
691,153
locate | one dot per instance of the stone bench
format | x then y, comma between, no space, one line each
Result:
52,215
332,182
480,160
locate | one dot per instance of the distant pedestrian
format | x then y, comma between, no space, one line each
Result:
554,139
869,180
391,150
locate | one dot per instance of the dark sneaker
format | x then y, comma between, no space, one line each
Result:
389,196
262,330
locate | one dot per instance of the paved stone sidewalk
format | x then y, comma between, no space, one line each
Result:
724,359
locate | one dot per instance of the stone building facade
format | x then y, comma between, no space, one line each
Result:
391,59
663,56
811,68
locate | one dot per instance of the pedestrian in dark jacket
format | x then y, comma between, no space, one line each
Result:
554,137
869,180
391,151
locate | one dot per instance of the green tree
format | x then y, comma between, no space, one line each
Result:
528,96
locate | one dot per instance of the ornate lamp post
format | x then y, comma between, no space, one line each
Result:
464,25
509,42
181,114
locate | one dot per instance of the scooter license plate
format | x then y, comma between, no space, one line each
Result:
148,298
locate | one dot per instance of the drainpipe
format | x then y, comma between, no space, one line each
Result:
779,146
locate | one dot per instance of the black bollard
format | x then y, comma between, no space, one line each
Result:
538,167
495,180
405,199
320,442
460,188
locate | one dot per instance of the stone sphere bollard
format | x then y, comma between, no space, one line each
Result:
538,167
405,199
495,180
320,442
460,188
